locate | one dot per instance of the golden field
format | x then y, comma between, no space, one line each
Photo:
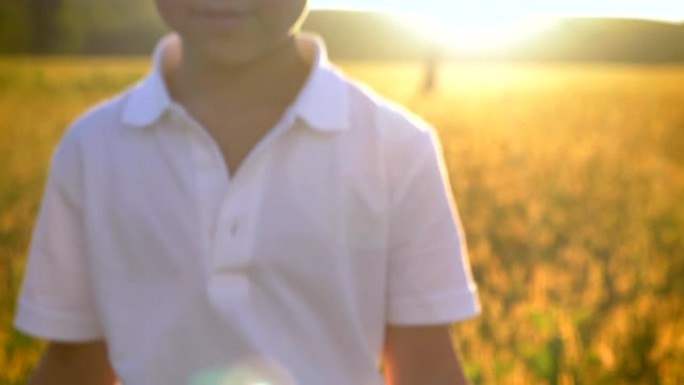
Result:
569,182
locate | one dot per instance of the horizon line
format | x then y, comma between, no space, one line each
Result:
662,19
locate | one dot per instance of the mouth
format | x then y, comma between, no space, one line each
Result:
218,13
219,19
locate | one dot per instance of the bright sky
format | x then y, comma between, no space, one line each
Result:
669,10
490,25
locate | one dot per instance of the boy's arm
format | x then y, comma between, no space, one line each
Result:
416,355
74,364
429,282
57,300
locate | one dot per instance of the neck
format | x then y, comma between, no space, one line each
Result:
276,75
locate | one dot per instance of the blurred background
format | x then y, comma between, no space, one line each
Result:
560,30
562,124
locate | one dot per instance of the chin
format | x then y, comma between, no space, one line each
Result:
231,51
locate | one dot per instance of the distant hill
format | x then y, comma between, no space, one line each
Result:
378,36
363,35
613,40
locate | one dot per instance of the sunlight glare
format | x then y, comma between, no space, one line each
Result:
484,33
254,370
492,36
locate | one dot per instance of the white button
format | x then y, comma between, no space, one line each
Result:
234,227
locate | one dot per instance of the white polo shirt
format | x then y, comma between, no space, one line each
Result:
339,222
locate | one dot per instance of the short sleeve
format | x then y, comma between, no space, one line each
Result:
429,277
56,301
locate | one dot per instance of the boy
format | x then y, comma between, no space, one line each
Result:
245,215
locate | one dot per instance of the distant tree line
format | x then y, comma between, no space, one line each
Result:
132,27
78,26
369,36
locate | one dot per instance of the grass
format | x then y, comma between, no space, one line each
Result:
569,181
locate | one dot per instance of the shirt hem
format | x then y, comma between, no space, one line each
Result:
49,325
442,308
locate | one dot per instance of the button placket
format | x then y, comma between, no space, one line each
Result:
233,240
229,236
234,227
211,181
234,237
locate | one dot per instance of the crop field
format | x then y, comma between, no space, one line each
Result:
569,182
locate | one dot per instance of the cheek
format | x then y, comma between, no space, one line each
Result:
299,8
302,10
171,12
284,13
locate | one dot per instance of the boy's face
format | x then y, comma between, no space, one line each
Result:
231,31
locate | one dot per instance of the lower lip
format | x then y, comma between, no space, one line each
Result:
220,20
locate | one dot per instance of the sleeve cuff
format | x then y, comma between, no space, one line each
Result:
442,308
50,325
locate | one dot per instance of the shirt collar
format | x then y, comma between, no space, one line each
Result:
322,103
149,99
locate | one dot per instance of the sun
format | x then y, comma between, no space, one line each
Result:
474,27
478,32
493,36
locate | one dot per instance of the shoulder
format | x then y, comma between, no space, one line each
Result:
87,138
398,129
94,125
391,120
102,116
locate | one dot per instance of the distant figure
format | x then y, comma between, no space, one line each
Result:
431,65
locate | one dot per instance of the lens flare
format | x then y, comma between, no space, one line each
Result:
251,371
